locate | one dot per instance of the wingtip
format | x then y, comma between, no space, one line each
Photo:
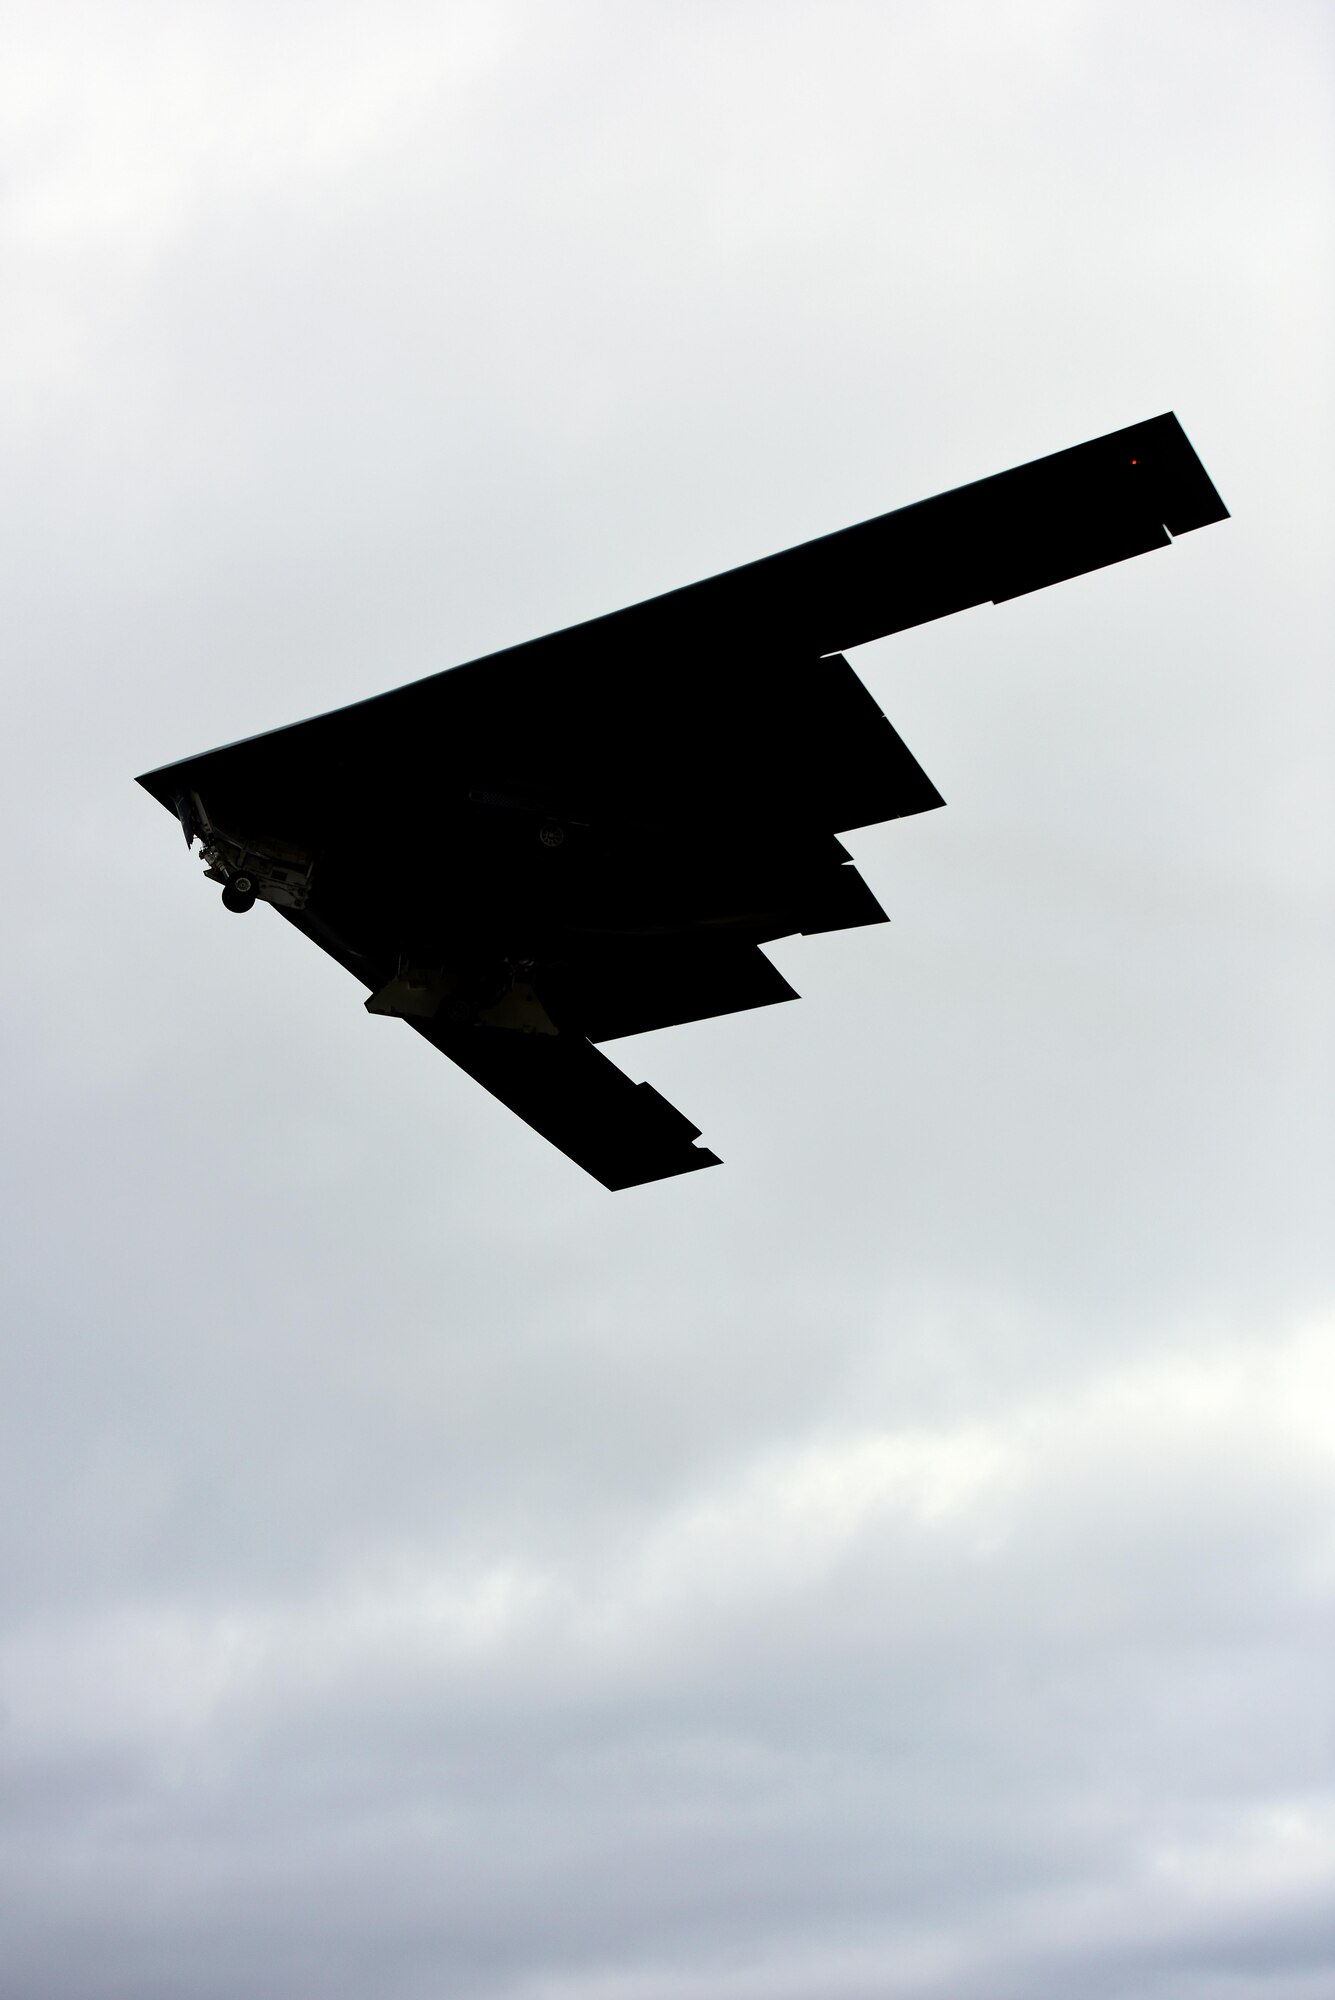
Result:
1189,497
689,1163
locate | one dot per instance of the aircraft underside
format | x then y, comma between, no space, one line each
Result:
596,833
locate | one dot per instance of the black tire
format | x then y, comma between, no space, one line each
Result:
239,892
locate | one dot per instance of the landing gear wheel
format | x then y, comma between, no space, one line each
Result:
239,893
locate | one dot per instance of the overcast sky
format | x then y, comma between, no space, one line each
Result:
899,1565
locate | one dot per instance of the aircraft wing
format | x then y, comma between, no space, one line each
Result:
622,813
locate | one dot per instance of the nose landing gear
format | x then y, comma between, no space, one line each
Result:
239,892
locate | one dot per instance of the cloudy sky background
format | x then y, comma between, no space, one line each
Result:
902,1562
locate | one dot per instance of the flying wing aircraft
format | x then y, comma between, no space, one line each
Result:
596,833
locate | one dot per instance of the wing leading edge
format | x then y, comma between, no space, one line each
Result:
686,762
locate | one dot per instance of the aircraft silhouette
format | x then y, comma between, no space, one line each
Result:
595,833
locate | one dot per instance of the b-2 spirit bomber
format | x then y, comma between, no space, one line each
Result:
596,833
